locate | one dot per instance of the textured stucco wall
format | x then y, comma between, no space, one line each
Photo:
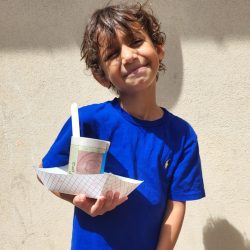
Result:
207,83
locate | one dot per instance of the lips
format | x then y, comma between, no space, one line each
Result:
134,69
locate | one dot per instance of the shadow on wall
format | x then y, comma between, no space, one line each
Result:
53,24
169,85
200,20
219,234
45,25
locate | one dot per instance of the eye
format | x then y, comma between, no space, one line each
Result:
111,55
136,42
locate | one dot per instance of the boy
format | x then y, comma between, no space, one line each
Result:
123,47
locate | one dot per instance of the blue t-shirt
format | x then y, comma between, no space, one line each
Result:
163,153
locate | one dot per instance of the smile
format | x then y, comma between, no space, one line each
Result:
136,71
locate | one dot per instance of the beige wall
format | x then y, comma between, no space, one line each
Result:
207,83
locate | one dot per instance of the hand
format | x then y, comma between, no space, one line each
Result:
99,206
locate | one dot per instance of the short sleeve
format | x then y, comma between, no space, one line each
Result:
187,181
58,154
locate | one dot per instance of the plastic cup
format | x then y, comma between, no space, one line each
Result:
87,155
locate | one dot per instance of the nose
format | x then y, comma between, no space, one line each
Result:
128,54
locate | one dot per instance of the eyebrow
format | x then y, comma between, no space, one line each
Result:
127,37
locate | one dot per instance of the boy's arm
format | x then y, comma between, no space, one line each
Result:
92,207
171,225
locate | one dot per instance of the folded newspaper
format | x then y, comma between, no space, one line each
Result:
57,179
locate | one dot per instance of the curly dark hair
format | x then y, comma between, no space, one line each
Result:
126,17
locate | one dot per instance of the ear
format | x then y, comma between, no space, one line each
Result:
101,79
161,51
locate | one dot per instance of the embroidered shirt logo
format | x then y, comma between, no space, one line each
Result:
167,163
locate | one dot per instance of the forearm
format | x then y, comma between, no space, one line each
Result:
66,197
171,225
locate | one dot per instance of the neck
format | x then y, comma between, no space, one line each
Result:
142,104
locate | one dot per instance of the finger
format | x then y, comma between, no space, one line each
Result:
84,203
115,199
78,199
109,201
121,200
96,209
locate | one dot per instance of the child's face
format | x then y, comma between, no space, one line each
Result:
130,63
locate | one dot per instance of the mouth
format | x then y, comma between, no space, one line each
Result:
135,70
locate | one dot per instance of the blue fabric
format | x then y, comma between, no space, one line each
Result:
139,149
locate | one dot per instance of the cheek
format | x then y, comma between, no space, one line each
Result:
114,72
